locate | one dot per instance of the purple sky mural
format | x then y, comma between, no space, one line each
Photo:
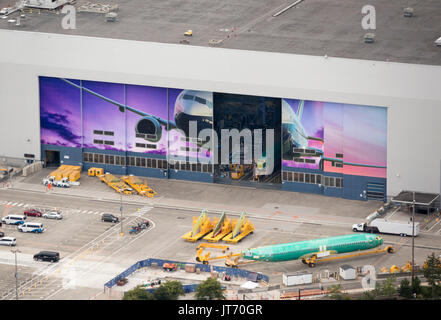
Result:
102,115
60,113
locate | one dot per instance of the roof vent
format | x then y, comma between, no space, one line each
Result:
369,37
215,42
111,16
408,12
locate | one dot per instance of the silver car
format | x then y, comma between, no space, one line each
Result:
53,215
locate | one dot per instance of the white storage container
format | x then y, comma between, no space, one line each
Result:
294,279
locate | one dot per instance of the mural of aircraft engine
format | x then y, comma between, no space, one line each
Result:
190,105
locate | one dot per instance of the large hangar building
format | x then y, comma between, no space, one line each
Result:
350,119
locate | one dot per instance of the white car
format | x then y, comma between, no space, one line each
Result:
8,241
53,215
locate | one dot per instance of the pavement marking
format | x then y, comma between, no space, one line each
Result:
434,225
96,212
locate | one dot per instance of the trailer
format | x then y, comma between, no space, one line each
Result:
387,226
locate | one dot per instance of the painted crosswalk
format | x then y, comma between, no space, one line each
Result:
24,206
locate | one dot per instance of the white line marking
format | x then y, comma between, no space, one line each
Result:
434,225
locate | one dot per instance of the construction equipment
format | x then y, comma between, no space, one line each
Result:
95,172
169,266
140,186
394,269
235,262
205,258
201,226
407,267
115,183
237,171
211,245
314,259
241,229
223,227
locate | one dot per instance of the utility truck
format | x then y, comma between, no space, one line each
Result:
63,183
402,228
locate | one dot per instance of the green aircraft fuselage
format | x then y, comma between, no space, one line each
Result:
304,249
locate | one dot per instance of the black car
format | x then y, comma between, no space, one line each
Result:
47,256
109,218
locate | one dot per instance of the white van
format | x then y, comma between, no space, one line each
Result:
8,241
35,227
14,219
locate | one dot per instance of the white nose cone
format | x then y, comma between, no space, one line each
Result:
195,103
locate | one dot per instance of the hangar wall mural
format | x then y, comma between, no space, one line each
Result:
323,139
333,137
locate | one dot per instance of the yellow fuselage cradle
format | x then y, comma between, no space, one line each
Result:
227,227
245,230
201,227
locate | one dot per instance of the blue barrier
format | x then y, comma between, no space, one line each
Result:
203,267
187,288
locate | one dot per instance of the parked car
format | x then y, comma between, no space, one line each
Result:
47,256
34,227
109,218
8,241
14,219
32,213
53,215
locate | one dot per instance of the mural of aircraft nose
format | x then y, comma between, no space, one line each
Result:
189,106
296,140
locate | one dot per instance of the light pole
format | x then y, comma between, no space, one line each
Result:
413,238
16,273
121,210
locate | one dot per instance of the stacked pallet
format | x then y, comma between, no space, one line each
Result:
72,173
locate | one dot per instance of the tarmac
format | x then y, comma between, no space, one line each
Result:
279,216
216,198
